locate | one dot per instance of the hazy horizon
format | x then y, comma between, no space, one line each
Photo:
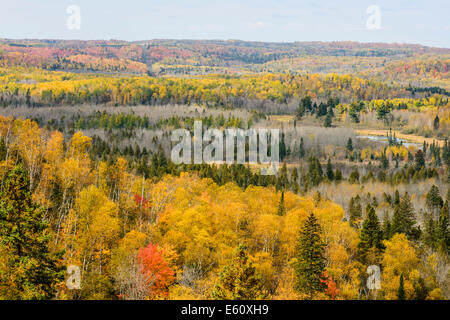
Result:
402,22
227,40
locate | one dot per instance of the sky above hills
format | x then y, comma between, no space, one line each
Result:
403,21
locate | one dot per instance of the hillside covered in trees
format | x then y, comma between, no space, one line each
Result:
87,178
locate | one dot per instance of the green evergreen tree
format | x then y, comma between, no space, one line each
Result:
429,234
330,111
387,227
396,201
353,113
294,180
371,235
310,266
302,151
294,176
355,211
328,121
384,160
330,173
303,105
28,98
349,144
419,159
338,175
436,123
443,233
404,219
434,201
322,110
315,172
27,269
374,202
239,280
401,290
354,176
281,208
383,112
282,180
282,147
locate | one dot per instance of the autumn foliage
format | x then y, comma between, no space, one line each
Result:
159,275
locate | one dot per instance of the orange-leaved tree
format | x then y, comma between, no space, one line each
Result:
159,275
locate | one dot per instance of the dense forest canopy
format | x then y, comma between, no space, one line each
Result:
87,180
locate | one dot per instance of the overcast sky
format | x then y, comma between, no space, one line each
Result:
405,21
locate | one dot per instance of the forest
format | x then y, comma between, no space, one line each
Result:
87,179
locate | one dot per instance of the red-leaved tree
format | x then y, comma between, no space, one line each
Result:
331,289
159,275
